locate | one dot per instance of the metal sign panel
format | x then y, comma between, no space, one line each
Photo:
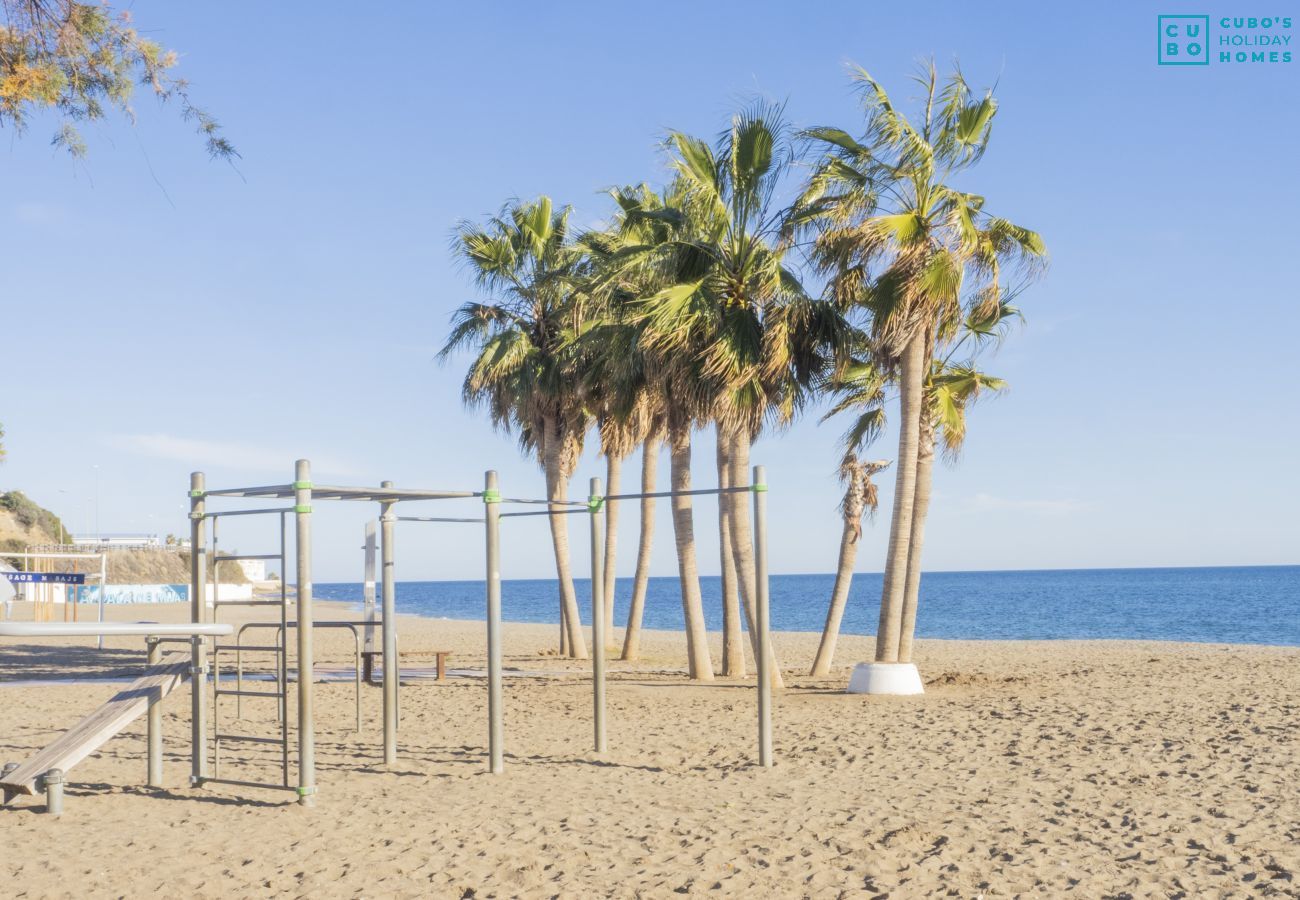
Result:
44,578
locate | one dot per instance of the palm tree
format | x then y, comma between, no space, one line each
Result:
859,386
620,379
760,339
521,374
900,241
860,498
950,390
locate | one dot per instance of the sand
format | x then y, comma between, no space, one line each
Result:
1089,769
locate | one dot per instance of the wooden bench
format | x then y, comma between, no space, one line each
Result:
92,732
368,662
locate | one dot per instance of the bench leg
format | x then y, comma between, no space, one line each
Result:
53,781
4,774
442,666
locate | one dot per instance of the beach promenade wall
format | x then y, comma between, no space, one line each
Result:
117,594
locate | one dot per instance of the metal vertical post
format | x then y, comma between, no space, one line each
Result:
759,485
392,676
492,522
306,727
103,591
155,721
595,504
368,601
198,603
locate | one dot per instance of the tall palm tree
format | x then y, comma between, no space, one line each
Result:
627,383
760,339
526,263
899,240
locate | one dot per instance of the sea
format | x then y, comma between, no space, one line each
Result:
1240,605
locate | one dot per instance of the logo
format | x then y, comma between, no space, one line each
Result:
1185,40
1182,41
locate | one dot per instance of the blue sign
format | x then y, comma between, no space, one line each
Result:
44,578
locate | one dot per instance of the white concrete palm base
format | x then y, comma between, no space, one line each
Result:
885,678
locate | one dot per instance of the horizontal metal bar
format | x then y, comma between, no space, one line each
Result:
248,739
745,489
252,648
337,492
235,692
544,502
249,512
237,556
544,512
274,490
319,623
433,519
53,555
247,603
233,782
92,629
341,492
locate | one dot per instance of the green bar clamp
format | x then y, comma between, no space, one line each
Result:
758,488
195,516
302,508
491,496
302,485
198,495
306,791
595,503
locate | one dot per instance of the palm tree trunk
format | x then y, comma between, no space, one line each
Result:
547,469
649,467
733,647
839,597
742,545
613,478
911,385
920,507
699,665
557,481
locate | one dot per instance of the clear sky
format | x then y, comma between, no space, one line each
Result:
161,313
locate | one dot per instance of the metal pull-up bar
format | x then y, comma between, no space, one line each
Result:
595,508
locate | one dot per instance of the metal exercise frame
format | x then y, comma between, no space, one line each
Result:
595,508
303,492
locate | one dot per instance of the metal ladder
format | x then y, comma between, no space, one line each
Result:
278,650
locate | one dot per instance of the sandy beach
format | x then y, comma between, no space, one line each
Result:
1088,769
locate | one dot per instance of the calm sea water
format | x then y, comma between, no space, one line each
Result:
1255,605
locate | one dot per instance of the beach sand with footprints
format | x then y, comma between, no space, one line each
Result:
1094,768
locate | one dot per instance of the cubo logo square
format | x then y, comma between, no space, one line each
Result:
1183,41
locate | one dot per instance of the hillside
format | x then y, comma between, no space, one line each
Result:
23,523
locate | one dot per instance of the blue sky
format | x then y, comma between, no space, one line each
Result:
162,313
